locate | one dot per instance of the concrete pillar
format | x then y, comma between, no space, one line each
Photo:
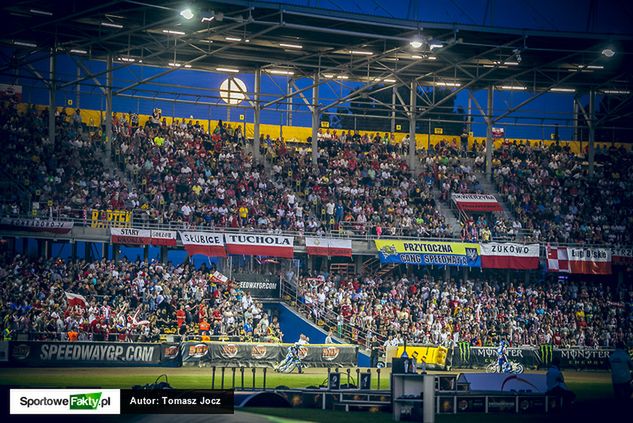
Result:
146,253
163,255
78,90
256,120
51,99
315,120
489,145
592,131
412,111
108,114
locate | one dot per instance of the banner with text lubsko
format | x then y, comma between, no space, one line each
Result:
429,253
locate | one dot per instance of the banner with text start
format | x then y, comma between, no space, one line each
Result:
428,253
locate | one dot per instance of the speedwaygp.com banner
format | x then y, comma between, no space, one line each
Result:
82,354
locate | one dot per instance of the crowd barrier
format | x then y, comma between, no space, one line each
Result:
168,354
466,357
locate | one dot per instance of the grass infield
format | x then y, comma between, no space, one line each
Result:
593,389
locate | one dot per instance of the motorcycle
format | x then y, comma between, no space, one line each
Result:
287,366
512,368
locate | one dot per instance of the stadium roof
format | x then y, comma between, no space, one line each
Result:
338,44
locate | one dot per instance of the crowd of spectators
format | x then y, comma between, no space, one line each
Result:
125,301
552,193
481,311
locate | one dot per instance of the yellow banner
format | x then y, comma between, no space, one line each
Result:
424,253
425,247
107,218
431,355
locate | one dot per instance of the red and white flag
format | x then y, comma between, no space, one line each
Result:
218,277
557,260
204,243
476,202
329,247
130,236
163,238
267,245
76,300
589,261
509,256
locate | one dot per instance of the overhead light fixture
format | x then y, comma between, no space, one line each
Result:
207,19
500,63
342,77
562,90
169,31
280,72
608,52
432,58
24,44
227,70
290,45
416,42
247,40
174,65
616,91
590,67
448,84
187,14
435,45
513,87
126,59
415,56
40,12
187,65
361,52
328,75
78,51
391,81
111,25
232,39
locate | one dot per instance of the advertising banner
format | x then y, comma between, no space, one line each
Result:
428,253
163,238
509,256
83,354
467,357
576,358
34,225
260,245
476,202
329,247
434,356
130,236
246,354
258,285
204,243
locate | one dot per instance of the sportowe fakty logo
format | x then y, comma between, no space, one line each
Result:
64,401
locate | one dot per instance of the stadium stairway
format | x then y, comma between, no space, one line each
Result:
454,225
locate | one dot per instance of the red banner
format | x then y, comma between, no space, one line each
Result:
588,261
329,247
35,225
163,238
260,245
476,202
204,243
509,256
130,236
622,256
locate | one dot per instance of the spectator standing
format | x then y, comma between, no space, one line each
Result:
621,367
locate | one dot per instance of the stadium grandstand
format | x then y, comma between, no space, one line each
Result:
225,179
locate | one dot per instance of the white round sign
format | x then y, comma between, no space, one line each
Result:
232,91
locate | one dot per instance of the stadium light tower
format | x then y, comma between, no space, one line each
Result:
187,14
416,42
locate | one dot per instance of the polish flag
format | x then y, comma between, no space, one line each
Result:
75,300
557,259
329,247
